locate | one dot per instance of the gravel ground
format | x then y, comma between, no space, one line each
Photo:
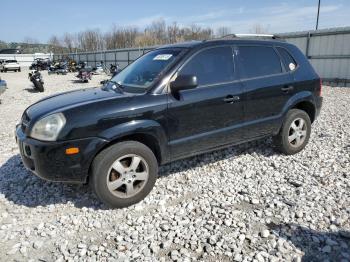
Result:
244,203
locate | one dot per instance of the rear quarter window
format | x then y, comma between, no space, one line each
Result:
289,62
258,61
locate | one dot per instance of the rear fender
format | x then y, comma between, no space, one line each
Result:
304,96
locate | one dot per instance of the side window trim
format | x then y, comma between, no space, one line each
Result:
241,75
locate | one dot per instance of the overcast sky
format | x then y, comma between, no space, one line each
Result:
40,19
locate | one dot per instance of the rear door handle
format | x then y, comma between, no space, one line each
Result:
230,99
287,88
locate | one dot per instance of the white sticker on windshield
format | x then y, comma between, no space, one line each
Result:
163,57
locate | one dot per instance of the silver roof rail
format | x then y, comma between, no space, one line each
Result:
264,36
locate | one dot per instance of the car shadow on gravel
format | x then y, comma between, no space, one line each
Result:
21,187
316,245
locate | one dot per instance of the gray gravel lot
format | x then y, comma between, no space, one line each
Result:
244,203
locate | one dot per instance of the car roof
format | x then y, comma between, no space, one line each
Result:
205,43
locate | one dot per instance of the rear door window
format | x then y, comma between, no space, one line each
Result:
289,62
258,61
211,66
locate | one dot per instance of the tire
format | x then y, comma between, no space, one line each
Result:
39,86
19,70
293,138
123,154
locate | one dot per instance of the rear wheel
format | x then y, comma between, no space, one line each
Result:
295,132
124,174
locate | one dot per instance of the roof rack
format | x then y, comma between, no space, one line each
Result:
264,36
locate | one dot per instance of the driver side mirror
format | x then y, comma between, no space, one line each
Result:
183,82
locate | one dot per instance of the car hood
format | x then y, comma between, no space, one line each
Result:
63,101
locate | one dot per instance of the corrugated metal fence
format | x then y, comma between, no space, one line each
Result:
328,51
121,56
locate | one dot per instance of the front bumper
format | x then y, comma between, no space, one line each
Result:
10,68
49,161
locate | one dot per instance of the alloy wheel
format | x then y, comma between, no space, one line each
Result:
127,176
297,132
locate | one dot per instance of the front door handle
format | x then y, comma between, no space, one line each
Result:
230,99
287,88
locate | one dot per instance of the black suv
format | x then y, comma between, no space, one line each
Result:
173,102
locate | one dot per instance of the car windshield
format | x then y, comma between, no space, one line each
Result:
146,70
11,61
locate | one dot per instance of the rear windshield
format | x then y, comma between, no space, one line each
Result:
11,61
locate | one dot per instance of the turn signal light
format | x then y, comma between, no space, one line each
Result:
72,151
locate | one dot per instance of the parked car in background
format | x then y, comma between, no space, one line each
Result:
10,65
173,102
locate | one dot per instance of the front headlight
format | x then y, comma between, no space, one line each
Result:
48,128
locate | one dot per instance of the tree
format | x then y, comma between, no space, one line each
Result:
68,40
90,40
55,45
157,31
222,31
173,33
120,37
259,29
29,40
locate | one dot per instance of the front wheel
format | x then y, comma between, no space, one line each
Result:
39,86
295,132
124,174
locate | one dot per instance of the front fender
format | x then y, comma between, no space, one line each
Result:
144,127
